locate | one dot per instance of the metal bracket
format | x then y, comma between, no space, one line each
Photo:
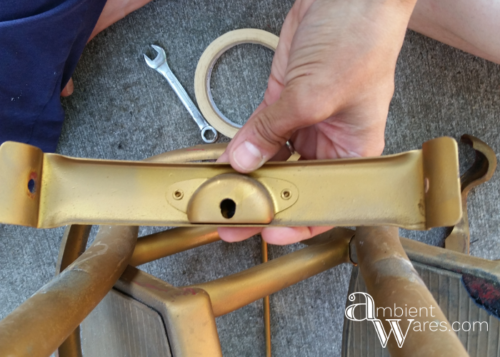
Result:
481,171
415,190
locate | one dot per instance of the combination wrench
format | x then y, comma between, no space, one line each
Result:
159,64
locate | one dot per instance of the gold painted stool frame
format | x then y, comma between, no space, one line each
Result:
86,276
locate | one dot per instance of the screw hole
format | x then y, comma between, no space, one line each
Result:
32,186
286,194
178,194
227,208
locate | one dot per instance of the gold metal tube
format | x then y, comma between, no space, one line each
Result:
267,306
235,291
163,244
42,323
392,281
72,346
73,245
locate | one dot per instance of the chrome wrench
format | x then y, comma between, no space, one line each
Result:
160,65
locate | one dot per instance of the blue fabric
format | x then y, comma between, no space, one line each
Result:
40,44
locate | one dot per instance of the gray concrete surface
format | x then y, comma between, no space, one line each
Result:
121,109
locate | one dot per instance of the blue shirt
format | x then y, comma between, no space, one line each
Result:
40,44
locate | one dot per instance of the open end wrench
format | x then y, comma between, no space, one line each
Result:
160,65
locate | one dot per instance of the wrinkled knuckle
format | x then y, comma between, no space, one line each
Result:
265,128
307,107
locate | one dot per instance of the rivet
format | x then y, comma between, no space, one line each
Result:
286,194
178,194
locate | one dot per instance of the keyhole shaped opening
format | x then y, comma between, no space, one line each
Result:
227,208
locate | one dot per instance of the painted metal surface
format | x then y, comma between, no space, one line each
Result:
480,172
415,190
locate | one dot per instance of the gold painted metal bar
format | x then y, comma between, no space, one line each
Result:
187,312
73,245
42,323
235,291
481,171
20,170
415,190
392,281
72,346
267,325
267,305
163,244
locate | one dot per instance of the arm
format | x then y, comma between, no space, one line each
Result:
472,26
331,83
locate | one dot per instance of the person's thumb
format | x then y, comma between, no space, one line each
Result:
261,137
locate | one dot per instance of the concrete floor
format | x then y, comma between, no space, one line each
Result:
121,109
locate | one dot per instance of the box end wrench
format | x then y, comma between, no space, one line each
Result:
160,65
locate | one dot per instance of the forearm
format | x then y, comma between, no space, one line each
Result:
472,26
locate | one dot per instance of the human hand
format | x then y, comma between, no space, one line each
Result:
331,83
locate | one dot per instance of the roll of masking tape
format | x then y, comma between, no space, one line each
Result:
204,72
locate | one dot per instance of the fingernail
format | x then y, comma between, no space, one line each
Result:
248,157
224,158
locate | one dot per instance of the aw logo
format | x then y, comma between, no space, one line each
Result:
369,309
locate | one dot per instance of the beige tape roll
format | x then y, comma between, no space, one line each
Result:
204,72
